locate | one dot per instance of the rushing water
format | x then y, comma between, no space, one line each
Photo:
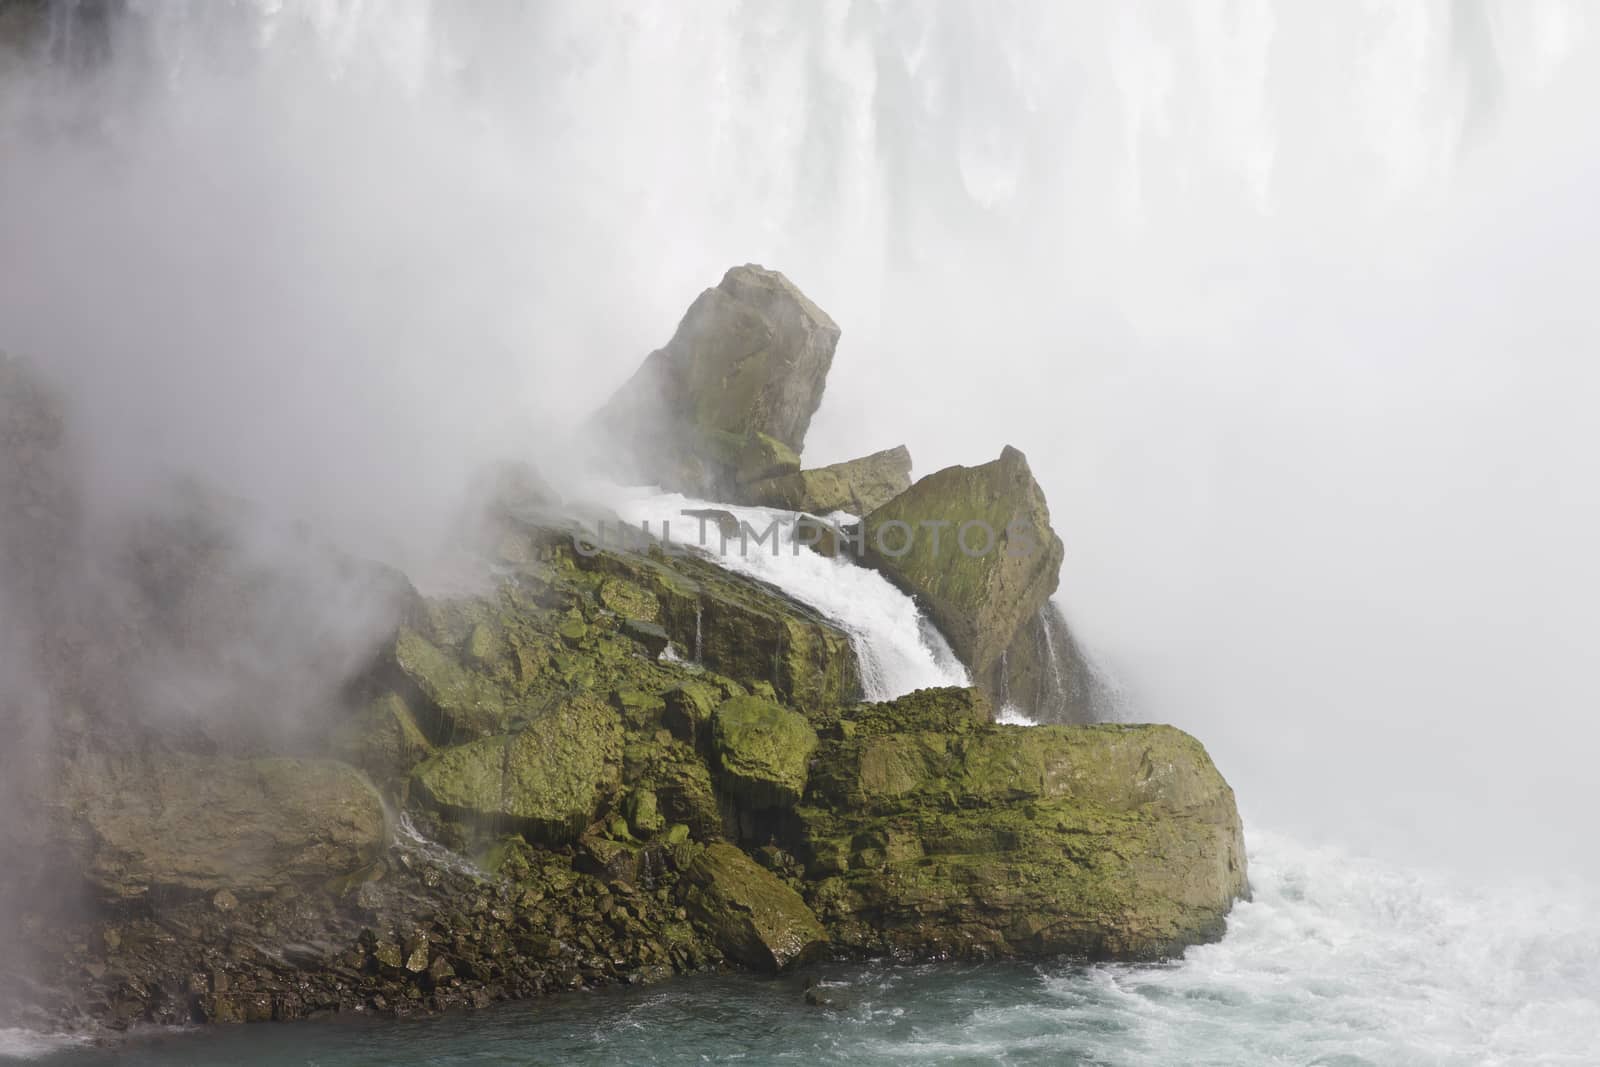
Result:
898,649
1337,961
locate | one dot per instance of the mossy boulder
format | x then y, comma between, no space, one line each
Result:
689,706
457,703
183,823
856,486
748,913
1106,842
685,794
547,781
975,547
763,752
749,360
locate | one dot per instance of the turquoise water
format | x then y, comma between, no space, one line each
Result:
1337,961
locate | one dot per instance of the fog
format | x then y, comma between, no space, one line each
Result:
1286,304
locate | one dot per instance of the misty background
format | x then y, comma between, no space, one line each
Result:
1288,306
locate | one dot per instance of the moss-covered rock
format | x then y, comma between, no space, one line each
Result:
460,705
763,752
684,792
547,780
198,824
643,812
688,711
948,710
741,628
764,457
629,600
975,547
1101,841
747,912
856,486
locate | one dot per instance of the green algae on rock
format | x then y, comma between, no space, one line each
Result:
547,780
637,814
1111,842
763,751
749,913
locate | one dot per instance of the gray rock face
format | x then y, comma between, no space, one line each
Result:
1045,673
750,357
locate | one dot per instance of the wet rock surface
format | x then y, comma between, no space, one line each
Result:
588,765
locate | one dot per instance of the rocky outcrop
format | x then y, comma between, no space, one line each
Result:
856,486
750,915
732,394
604,763
928,831
975,547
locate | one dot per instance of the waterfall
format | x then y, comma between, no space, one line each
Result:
897,647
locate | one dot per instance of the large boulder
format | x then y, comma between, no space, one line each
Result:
198,824
763,751
748,913
547,781
1106,841
750,359
856,486
975,547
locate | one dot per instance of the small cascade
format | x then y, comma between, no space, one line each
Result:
698,644
1056,694
1005,678
412,840
897,648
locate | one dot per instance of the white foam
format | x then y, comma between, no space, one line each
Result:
1344,959
19,1044
1011,715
